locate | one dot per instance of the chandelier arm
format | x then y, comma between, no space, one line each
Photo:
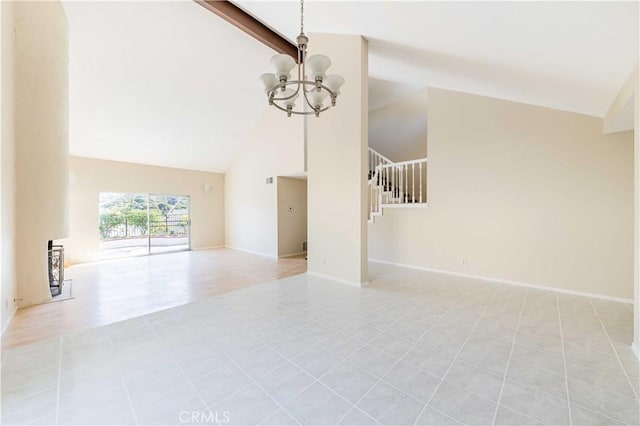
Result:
299,84
300,112
302,65
314,85
309,103
300,61
297,89
280,99
296,92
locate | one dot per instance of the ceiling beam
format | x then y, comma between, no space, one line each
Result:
250,25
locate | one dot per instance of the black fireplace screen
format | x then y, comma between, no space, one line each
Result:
56,268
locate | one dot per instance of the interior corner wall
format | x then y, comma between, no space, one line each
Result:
337,162
42,145
91,176
7,168
274,146
519,193
292,215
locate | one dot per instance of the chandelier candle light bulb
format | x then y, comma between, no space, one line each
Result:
282,91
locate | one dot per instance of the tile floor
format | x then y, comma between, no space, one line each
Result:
413,348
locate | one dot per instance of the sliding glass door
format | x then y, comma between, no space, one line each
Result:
138,224
169,223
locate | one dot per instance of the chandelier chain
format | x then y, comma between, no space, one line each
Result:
301,16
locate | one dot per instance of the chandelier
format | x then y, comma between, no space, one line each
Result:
282,92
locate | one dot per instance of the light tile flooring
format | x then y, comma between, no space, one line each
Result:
413,348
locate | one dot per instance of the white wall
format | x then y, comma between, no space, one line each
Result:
41,131
399,130
274,146
7,169
292,215
91,176
337,164
520,193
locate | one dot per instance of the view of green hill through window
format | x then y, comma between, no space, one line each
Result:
133,224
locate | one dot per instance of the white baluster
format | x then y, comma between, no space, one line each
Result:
370,199
393,182
386,181
396,188
420,181
406,183
402,179
413,182
401,186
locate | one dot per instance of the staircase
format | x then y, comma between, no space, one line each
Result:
395,185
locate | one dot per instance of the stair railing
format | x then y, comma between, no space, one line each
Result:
376,161
408,181
395,184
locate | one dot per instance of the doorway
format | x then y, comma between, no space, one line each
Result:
292,216
135,224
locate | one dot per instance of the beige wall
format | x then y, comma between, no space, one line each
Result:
275,147
41,131
7,169
399,130
337,163
292,215
519,193
91,176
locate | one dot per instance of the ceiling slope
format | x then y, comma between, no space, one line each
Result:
171,84
572,56
162,83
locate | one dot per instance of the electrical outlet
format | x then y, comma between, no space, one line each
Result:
6,303
464,260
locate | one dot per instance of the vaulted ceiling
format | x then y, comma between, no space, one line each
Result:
171,84
162,83
571,56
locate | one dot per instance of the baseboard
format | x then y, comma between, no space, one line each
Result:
9,321
208,248
258,253
327,277
293,254
508,282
